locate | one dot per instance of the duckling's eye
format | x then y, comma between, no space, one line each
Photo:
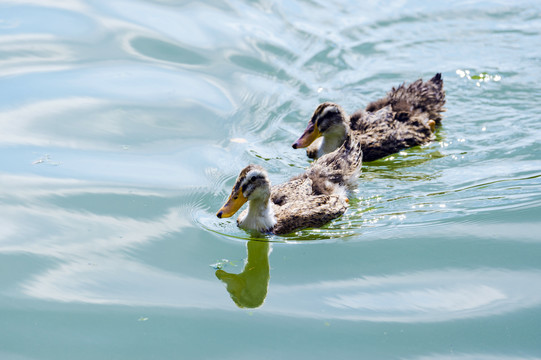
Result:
322,124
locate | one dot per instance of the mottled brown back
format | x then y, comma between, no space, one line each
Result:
401,119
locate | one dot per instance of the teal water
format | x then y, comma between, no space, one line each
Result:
123,125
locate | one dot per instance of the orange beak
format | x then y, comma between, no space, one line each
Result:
232,205
310,134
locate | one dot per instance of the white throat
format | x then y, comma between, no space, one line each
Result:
332,140
260,216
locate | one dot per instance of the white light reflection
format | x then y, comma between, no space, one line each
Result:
479,78
122,282
71,5
182,25
92,248
25,131
430,296
445,299
27,53
30,224
475,356
77,234
101,124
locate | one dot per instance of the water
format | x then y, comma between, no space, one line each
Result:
125,123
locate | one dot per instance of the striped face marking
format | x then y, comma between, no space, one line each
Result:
247,181
324,117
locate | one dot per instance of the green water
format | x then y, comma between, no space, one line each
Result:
123,125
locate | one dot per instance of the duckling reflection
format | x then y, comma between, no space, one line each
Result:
249,288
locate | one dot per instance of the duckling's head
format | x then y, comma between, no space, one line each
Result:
329,120
252,185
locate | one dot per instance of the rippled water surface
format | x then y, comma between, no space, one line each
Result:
123,125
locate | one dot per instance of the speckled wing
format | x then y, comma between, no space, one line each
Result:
384,133
401,119
296,189
418,97
313,211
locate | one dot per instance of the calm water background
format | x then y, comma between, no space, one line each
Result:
123,125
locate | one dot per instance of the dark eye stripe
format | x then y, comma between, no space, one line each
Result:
251,181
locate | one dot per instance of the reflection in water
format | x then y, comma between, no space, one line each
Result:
249,288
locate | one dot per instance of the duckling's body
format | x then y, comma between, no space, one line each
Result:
385,132
406,117
297,205
310,199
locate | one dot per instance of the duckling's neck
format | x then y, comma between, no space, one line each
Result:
260,215
333,139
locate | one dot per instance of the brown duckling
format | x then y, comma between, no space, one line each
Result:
310,199
406,117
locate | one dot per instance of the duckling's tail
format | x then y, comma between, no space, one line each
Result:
418,98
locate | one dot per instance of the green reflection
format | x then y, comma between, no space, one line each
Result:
249,288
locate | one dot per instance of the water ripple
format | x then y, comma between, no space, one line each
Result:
161,50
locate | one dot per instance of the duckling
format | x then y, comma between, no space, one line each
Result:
310,199
406,117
